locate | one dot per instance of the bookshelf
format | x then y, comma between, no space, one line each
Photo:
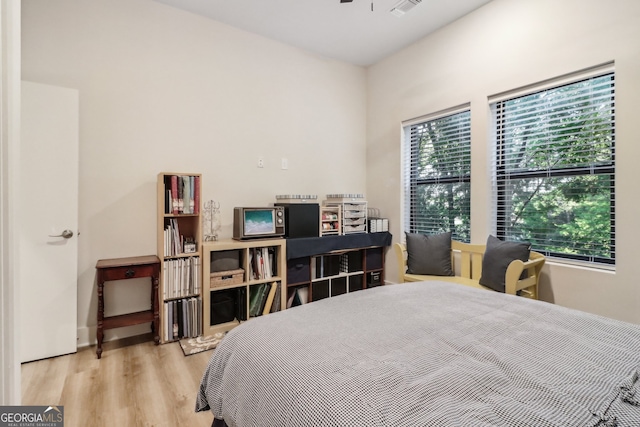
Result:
178,248
333,265
237,286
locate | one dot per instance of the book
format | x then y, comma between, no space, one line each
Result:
255,264
192,187
168,203
174,194
254,298
270,296
191,312
166,336
272,262
186,318
186,194
195,302
199,317
277,299
268,256
262,299
174,320
290,299
303,294
179,318
180,195
196,195
262,266
296,298
197,276
241,303
165,268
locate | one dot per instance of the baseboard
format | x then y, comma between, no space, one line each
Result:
87,335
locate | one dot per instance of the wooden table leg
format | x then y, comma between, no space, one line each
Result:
100,332
155,325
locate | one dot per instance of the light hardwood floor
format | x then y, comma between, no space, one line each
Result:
135,383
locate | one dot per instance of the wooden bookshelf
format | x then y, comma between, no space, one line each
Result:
229,281
178,247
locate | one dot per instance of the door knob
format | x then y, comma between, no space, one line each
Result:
67,234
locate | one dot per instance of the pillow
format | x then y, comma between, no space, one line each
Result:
429,254
497,258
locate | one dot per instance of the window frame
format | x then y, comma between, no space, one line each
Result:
411,182
502,175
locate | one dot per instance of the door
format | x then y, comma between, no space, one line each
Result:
48,221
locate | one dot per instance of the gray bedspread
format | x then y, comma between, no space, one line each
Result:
426,354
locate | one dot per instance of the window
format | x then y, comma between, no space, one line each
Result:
437,172
555,169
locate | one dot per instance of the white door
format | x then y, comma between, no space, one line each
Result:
48,221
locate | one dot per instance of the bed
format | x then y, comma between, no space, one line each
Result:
426,354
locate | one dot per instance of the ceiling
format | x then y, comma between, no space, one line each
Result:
350,32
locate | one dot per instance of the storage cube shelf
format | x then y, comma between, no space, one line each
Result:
315,277
234,296
336,274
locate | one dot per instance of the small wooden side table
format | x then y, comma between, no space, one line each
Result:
128,268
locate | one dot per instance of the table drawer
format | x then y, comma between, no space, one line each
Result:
128,272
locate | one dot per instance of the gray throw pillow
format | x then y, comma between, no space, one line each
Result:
429,254
497,258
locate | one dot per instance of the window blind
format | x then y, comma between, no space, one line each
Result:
437,175
554,169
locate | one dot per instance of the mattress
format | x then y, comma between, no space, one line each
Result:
426,354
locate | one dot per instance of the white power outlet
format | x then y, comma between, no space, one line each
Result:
260,162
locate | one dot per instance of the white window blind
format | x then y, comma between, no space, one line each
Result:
437,175
554,169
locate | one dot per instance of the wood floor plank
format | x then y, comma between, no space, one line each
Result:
178,375
135,383
81,397
43,380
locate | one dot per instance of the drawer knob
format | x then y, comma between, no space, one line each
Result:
130,273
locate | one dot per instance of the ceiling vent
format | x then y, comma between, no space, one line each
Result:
404,6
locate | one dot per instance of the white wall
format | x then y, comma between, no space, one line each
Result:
165,90
502,46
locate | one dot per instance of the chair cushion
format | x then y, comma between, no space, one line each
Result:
497,258
429,254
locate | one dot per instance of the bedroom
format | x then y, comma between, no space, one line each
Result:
142,92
